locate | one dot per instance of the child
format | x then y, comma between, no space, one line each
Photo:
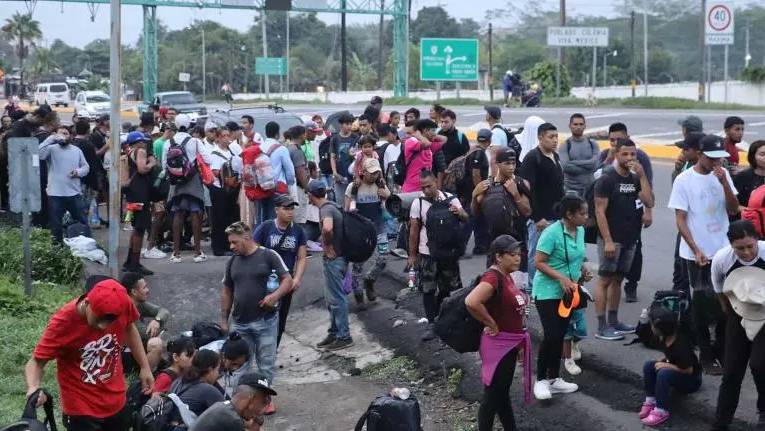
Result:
367,144
576,332
679,368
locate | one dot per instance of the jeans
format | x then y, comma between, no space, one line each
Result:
636,269
261,336
339,188
58,206
330,180
284,311
680,270
335,298
496,397
266,210
738,351
658,383
554,328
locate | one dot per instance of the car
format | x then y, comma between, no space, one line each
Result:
53,93
91,104
183,101
262,114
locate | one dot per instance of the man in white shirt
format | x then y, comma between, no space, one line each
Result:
498,135
702,198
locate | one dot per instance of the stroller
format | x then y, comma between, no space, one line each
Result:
531,96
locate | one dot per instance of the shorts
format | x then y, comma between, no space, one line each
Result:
142,220
621,262
187,204
438,277
577,325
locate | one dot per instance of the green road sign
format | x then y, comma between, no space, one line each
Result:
271,66
449,59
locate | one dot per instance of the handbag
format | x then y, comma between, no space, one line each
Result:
205,173
584,294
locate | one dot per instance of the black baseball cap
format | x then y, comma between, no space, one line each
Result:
505,155
484,135
504,244
494,111
256,380
712,147
285,201
691,142
103,117
692,123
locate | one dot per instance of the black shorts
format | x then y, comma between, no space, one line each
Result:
118,422
142,219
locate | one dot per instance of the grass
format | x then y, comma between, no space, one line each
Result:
22,321
393,367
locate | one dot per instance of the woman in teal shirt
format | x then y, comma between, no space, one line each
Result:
559,262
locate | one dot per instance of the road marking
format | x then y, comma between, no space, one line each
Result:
617,114
652,135
761,123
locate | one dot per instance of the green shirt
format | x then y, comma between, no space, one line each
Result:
158,144
306,148
551,243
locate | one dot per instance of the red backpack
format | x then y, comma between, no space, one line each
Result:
755,211
258,176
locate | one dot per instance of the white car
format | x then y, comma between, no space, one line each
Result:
91,104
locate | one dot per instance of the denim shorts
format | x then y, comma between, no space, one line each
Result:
577,325
620,264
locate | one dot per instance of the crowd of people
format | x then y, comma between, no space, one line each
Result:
530,203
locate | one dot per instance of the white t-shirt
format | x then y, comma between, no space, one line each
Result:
498,139
391,155
726,258
422,215
703,198
220,156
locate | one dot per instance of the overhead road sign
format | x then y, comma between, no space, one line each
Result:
577,36
719,24
448,59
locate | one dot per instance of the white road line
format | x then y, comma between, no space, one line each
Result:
651,135
761,123
616,114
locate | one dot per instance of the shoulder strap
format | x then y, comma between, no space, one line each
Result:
362,420
271,149
283,237
218,153
500,284
459,135
568,148
565,251
172,374
264,229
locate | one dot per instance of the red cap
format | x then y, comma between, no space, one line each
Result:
109,297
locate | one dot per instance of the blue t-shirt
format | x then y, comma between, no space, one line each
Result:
294,239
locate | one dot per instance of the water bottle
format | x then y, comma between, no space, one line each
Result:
272,284
644,317
412,284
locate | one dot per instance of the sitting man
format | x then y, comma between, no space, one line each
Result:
150,324
244,411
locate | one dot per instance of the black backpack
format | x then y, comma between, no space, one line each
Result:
679,303
591,227
387,413
359,237
500,210
325,164
512,143
156,414
135,399
402,166
204,332
444,240
29,422
456,327
180,169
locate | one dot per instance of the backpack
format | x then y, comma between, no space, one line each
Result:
29,422
589,141
591,227
755,210
456,327
179,168
205,332
399,177
325,164
156,413
359,236
500,210
443,228
381,155
512,143
456,173
679,303
229,179
258,176
135,399
124,170
387,413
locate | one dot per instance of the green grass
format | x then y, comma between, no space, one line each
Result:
648,103
22,321
394,367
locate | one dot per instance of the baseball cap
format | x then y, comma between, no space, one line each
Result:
311,125
691,142
504,244
256,380
317,187
109,297
210,125
233,126
484,135
712,147
156,130
372,166
103,117
505,155
284,201
692,123
183,121
494,111
376,100
135,137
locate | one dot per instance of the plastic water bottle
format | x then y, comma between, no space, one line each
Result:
412,284
400,393
272,284
644,317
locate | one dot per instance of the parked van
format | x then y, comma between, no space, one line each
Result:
56,94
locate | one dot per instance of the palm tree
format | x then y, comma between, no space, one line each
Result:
43,62
23,31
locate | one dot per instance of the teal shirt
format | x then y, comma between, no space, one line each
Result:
551,243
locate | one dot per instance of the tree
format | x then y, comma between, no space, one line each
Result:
434,22
23,31
43,62
544,73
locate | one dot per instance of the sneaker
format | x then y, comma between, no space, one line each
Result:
631,297
429,333
127,228
200,258
144,270
340,343
610,334
624,328
571,367
313,246
656,417
143,252
400,253
646,410
359,297
369,288
176,258
154,253
270,409
560,386
542,390
576,352
326,341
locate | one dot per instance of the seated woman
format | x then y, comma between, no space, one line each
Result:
234,354
179,351
679,368
197,386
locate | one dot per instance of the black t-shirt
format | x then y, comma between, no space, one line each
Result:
477,160
746,181
622,213
681,354
89,151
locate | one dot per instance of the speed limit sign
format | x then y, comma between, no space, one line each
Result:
719,23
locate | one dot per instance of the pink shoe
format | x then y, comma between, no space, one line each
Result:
646,410
656,418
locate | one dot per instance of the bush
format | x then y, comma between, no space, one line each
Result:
545,73
753,74
50,263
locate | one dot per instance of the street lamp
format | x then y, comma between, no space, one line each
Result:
605,65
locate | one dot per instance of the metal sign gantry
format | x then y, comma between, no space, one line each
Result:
398,9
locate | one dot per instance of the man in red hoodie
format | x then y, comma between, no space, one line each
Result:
734,133
85,338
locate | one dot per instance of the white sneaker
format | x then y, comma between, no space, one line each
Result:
143,252
576,352
560,386
542,390
175,259
155,253
200,258
127,228
571,367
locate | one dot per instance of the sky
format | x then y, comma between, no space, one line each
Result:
71,23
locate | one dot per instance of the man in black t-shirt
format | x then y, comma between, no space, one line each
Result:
616,194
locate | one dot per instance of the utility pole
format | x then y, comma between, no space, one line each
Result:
265,48
380,60
115,85
633,60
645,49
491,65
702,53
562,55
343,56
288,52
747,55
204,69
